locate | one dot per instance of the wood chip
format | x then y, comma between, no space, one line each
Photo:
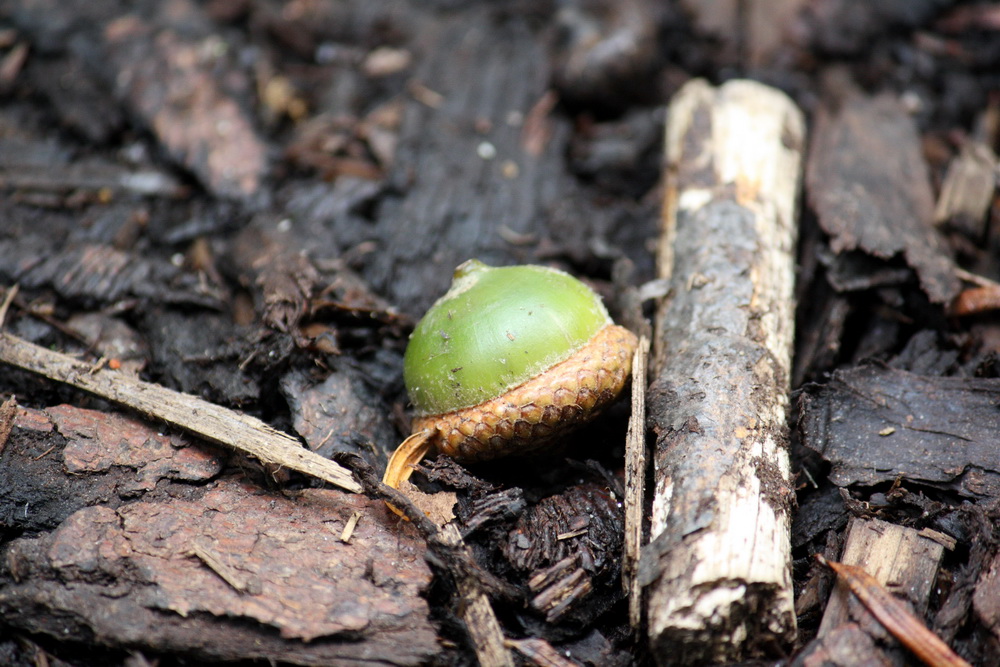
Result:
944,428
345,536
967,190
896,617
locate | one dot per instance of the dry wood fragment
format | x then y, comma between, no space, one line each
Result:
8,410
8,298
207,420
239,581
896,617
540,652
892,570
891,556
967,190
345,536
718,568
635,483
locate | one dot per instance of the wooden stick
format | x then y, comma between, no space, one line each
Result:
718,567
635,484
201,418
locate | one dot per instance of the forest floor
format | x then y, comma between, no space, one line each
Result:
254,201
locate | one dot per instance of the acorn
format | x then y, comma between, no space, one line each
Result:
506,362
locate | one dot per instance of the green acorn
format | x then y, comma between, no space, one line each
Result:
508,360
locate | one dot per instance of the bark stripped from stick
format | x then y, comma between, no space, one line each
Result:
718,568
635,484
207,420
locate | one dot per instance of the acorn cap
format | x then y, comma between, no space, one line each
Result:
530,416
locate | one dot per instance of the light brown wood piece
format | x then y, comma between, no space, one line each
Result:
190,413
899,558
635,483
967,189
718,566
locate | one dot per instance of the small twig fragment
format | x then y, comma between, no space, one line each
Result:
207,420
345,536
240,582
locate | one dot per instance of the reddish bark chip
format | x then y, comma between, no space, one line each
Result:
237,573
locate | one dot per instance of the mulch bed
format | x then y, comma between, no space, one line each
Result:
253,202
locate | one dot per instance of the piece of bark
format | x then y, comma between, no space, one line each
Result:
169,80
869,185
229,572
111,459
718,567
897,557
877,424
212,422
